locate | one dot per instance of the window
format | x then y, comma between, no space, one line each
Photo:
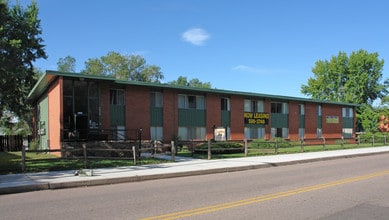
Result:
301,132
225,104
319,110
117,97
189,133
279,108
347,113
347,132
280,132
156,99
253,105
156,133
319,133
254,133
301,109
191,101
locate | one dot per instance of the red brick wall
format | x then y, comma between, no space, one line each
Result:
213,114
170,115
332,130
267,109
138,109
310,120
237,120
105,106
294,120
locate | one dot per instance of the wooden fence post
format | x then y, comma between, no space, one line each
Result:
246,149
85,155
134,154
173,151
209,150
302,144
23,159
276,147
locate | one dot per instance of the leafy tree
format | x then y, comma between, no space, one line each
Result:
183,81
67,64
354,79
123,67
20,46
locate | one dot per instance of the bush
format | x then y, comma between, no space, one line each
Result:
262,143
221,148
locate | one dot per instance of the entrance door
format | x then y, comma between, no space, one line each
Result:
43,121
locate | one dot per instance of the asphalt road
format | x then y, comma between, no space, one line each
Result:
349,188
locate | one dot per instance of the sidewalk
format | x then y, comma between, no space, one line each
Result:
16,183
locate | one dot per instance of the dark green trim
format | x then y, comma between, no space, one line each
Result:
279,120
191,117
156,116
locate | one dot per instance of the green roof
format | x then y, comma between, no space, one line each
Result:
46,79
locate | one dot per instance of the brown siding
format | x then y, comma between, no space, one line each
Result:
237,120
138,109
332,130
105,107
213,114
170,114
310,120
294,119
55,111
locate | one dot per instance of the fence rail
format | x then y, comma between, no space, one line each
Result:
11,143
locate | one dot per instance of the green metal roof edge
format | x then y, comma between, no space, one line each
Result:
169,86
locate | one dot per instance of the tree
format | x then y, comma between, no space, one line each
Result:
20,46
123,67
354,79
183,81
67,64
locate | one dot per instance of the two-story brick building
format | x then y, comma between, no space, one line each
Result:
69,105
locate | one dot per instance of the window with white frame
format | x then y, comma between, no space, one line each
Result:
156,133
191,102
116,96
253,105
319,133
301,109
279,132
225,104
301,132
156,99
319,110
279,107
347,113
192,133
254,132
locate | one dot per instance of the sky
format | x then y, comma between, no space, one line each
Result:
260,46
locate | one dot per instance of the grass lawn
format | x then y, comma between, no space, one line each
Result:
271,151
10,162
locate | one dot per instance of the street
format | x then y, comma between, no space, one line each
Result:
348,188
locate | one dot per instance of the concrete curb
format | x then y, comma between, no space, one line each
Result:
116,180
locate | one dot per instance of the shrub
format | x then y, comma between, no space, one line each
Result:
221,147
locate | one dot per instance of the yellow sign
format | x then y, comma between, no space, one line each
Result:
256,118
332,119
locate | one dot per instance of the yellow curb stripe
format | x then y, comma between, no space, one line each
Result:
258,199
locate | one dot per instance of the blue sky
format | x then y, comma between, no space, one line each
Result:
244,45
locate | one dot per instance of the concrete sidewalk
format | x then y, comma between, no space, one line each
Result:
16,183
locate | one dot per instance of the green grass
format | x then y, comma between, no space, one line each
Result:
261,151
10,163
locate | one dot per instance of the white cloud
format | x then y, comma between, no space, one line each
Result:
196,36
